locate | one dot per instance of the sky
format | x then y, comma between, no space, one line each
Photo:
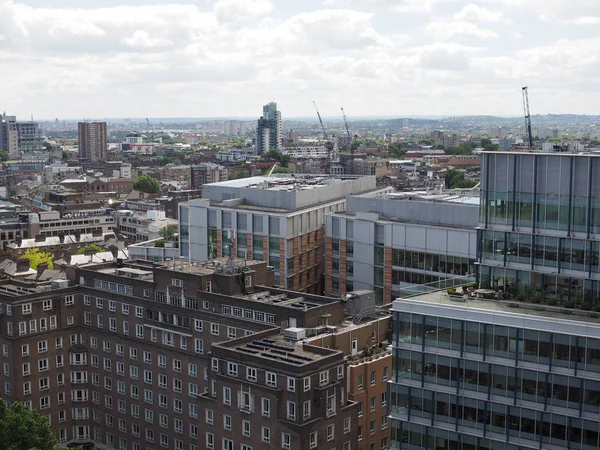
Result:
76,59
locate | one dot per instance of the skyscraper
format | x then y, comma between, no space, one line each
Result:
9,135
92,141
268,130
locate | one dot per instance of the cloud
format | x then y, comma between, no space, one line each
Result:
141,38
452,30
476,13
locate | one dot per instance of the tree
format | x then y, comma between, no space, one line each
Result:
93,247
147,184
23,428
3,155
36,257
167,233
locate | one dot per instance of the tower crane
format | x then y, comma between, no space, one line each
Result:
527,116
350,140
328,142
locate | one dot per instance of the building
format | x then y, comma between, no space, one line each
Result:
268,130
9,135
369,370
540,224
204,173
475,374
277,219
30,140
384,244
137,355
138,227
92,141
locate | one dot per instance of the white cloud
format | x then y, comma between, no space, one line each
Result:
226,58
452,30
481,14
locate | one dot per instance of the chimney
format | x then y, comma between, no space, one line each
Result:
77,235
40,238
40,269
89,252
18,239
22,265
114,250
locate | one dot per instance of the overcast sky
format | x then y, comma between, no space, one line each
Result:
74,59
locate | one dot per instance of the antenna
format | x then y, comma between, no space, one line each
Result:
527,117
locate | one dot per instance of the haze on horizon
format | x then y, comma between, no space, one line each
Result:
226,58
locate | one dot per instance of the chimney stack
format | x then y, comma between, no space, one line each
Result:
40,269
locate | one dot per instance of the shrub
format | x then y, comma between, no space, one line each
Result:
569,304
453,291
597,308
537,300
587,306
551,302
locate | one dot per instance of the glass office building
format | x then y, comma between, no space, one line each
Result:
540,224
483,375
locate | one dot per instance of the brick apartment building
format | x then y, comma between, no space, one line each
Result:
134,355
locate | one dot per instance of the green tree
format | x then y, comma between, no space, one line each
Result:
485,142
90,247
167,233
22,428
36,257
282,159
147,184
3,155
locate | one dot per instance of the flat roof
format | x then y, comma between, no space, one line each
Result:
277,348
503,307
289,299
279,182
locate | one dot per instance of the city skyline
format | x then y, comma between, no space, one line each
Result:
375,58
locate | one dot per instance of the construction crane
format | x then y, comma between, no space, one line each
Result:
328,142
527,116
350,141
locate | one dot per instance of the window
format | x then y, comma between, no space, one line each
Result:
52,322
59,342
227,444
266,407
32,326
227,422
47,305
286,441
27,387
306,410
271,379
176,282
210,441
99,303
112,306
26,308
266,434
25,350
208,287
251,374
125,309
347,425
291,384
214,329
384,423
44,323
231,332
246,428
306,384
313,439
215,365
323,378
372,427
330,432
372,403
162,361
373,377
360,382
232,369
227,396
45,402
291,411
209,417
42,365
177,365
139,312
198,325
385,373
383,399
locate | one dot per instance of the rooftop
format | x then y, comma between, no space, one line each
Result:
273,347
283,182
550,314
289,299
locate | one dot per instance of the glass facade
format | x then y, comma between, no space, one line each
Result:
463,384
539,215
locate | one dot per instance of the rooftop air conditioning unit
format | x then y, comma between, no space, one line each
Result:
294,334
60,284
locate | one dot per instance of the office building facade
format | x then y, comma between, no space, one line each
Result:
278,219
385,244
9,136
93,144
485,375
540,224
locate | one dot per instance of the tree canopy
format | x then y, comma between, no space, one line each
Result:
282,159
3,155
36,257
92,247
455,179
147,184
22,428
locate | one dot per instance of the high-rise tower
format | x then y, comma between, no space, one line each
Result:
92,141
268,130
